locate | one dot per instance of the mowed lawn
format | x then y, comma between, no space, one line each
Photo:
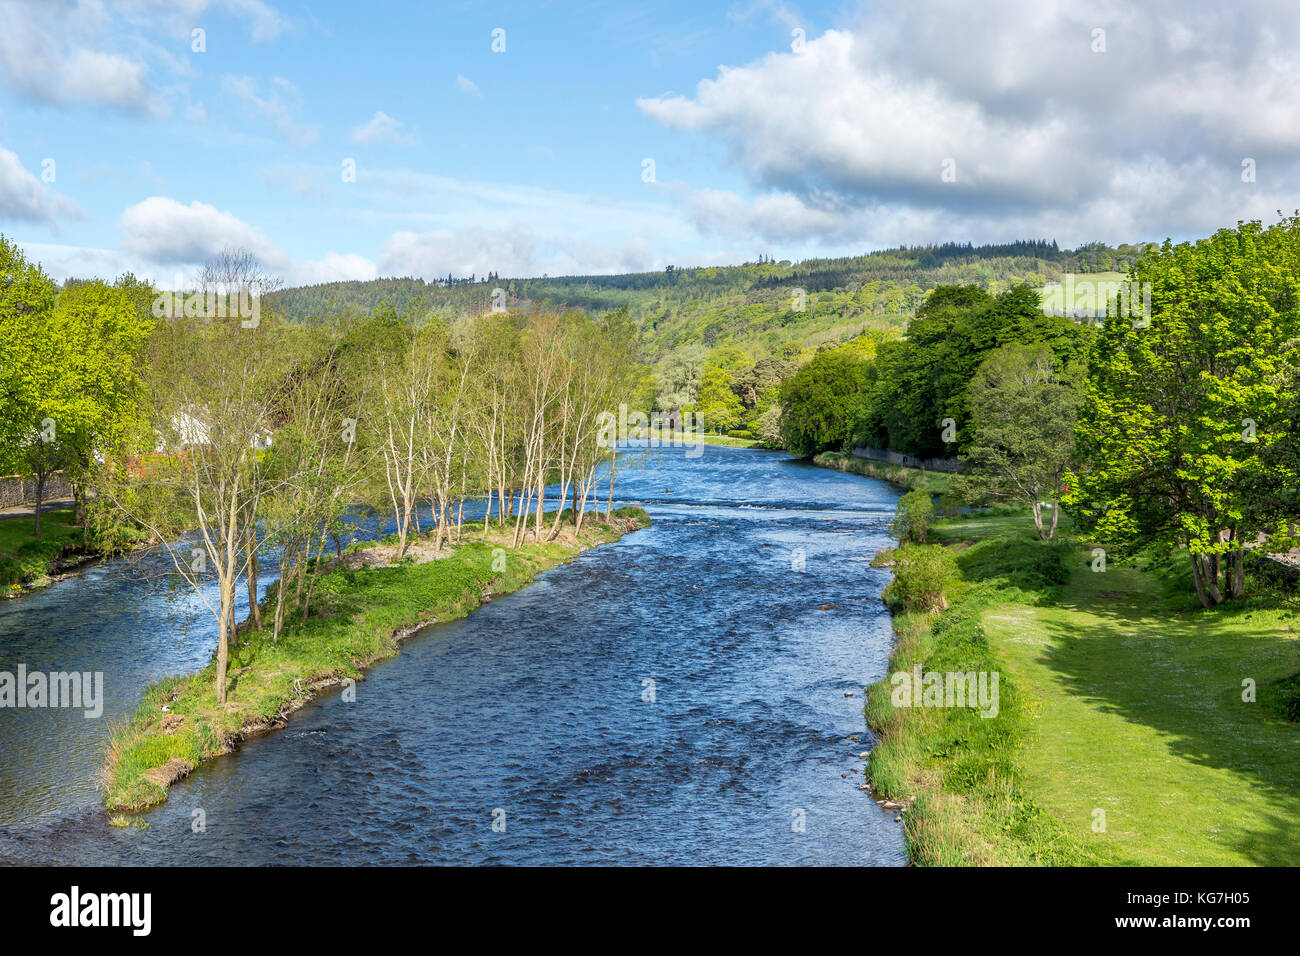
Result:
1139,712
16,530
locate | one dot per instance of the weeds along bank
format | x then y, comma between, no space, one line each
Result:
1119,732
362,614
958,765
898,475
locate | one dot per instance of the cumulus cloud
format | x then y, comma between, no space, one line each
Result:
379,129
1037,119
169,232
23,196
59,59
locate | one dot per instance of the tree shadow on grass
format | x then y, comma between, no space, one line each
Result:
1181,674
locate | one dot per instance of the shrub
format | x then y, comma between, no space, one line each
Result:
922,573
37,557
911,523
11,572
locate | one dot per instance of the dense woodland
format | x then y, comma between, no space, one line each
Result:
718,340
1171,434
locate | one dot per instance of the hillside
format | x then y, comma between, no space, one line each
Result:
753,305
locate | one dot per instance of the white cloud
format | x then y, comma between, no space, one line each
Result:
466,85
168,232
180,16
23,196
278,106
853,132
380,128
57,59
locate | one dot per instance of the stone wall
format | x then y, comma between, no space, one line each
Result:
21,490
950,465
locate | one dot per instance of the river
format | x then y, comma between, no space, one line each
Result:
677,697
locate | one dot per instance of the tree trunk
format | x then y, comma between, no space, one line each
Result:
79,511
254,609
40,499
1207,584
223,640
279,605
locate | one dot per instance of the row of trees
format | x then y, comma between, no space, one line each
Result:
268,435
230,440
1176,430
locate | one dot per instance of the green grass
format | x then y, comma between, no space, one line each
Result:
356,615
935,482
703,438
1119,694
27,560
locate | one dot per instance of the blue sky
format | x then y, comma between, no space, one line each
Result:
787,130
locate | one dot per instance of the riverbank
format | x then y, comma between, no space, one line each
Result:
900,476
363,615
1121,735
28,563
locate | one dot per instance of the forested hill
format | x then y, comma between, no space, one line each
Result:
755,305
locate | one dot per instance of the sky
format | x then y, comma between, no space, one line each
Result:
346,140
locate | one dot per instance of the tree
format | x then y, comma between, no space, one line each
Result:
717,405
911,522
678,378
214,393
1023,413
32,390
1183,419
823,402
104,333
923,380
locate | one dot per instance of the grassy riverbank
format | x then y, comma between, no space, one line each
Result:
1121,736
360,617
696,438
27,561
935,482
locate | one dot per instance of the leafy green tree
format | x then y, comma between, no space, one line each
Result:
823,402
717,405
1023,412
31,385
679,378
911,522
100,392
1183,418
923,380
922,573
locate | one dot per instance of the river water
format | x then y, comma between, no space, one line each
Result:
677,697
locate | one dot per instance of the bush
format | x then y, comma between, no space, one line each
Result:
912,522
740,433
37,557
922,573
11,572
